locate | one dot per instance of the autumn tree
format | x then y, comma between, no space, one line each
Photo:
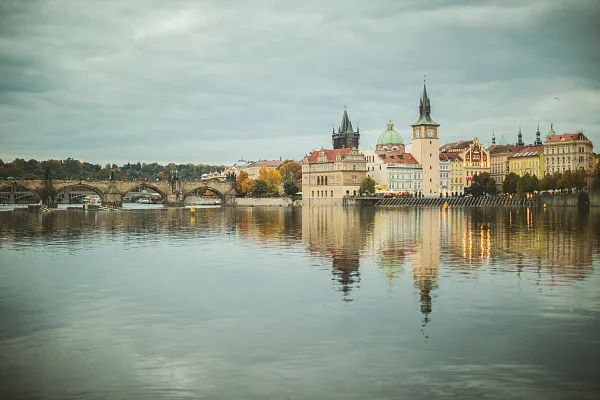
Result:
243,183
272,178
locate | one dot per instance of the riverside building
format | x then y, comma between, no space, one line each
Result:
568,152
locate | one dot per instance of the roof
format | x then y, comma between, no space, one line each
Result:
331,154
404,158
265,163
508,148
454,146
425,110
529,151
449,156
389,136
565,137
345,125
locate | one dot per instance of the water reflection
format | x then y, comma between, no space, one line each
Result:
291,294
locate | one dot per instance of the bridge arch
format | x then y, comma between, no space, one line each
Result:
78,185
145,185
204,187
6,189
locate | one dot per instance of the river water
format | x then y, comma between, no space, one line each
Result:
292,303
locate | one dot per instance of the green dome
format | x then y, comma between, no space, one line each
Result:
389,136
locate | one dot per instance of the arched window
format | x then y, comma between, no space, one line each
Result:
332,193
318,180
325,180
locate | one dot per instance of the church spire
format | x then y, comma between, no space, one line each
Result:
425,109
520,138
538,136
345,125
493,137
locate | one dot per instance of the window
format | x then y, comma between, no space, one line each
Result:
332,193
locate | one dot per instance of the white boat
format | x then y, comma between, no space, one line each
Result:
144,200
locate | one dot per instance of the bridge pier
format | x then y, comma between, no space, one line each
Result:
173,200
112,200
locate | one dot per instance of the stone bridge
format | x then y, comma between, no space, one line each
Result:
111,192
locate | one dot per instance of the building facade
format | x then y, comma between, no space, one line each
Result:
444,175
345,137
499,155
475,159
253,168
405,177
425,147
568,152
530,160
333,173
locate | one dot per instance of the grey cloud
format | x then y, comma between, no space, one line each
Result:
215,81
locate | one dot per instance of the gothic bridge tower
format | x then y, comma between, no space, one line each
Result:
345,136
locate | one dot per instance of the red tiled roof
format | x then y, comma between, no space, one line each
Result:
330,153
405,158
566,136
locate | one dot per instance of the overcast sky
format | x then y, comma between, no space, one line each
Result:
217,81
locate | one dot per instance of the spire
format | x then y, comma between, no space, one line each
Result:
425,109
520,137
493,137
538,136
345,125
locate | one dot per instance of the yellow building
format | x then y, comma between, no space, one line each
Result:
568,152
332,174
529,160
499,155
253,169
475,159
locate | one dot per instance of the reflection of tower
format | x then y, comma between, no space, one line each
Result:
426,259
345,271
338,234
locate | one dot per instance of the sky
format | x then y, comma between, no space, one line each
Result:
217,81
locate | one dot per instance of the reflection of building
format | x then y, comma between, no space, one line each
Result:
339,234
332,174
568,152
426,258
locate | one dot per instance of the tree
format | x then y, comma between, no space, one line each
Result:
290,188
596,183
579,179
510,183
290,169
260,188
272,178
243,183
367,185
483,184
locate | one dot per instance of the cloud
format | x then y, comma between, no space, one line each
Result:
214,81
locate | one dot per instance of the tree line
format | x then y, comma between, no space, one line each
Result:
271,182
75,169
567,180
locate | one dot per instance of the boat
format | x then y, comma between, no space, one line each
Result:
92,199
144,200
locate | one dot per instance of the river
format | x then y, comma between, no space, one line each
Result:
293,303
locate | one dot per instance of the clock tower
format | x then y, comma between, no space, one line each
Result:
425,147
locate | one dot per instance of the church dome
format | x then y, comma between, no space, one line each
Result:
389,136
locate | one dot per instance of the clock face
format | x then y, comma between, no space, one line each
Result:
429,133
